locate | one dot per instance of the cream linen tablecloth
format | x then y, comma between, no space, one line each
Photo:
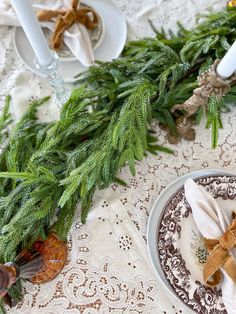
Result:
108,270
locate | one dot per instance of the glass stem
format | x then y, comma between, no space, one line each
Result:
52,73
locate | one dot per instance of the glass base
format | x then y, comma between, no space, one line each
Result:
52,73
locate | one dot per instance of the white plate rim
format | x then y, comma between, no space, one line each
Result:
154,216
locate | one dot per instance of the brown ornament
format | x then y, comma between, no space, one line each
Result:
40,264
54,254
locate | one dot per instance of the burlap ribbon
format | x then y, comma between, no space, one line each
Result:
220,257
66,18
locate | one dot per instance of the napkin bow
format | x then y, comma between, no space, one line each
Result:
220,257
214,225
66,18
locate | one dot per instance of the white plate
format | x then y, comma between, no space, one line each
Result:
110,48
156,217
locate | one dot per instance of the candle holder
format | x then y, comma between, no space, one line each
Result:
210,84
52,73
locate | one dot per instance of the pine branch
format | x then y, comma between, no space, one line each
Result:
47,169
214,120
5,120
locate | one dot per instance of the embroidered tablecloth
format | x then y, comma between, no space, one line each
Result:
108,270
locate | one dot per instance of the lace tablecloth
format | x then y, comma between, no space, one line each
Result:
108,270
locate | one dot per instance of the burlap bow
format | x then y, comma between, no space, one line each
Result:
66,18
220,256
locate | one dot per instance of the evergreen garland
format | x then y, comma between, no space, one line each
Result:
47,168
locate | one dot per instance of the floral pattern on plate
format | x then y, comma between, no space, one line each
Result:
180,249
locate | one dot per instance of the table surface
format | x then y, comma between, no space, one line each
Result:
108,270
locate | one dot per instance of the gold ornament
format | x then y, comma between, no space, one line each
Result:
231,4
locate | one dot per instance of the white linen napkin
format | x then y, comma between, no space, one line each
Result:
212,222
76,38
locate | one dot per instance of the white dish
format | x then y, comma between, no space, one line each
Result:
115,35
154,224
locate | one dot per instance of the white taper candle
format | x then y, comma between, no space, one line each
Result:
227,65
32,29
